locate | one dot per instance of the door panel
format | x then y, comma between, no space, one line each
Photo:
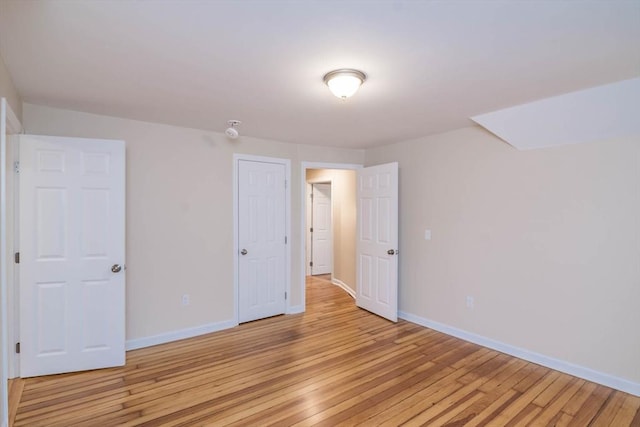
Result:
377,269
72,305
321,238
261,233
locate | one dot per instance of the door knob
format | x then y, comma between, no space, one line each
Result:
116,268
243,252
391,252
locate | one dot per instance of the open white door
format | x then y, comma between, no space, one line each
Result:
72,279
321,238
261,239
377,240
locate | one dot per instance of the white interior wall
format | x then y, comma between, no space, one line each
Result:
179,214
9,91
547,242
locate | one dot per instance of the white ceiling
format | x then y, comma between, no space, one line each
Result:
430,64
597,114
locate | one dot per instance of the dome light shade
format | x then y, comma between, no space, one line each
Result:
344,83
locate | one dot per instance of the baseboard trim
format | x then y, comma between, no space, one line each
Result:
339,283
540,359
295,309
137,343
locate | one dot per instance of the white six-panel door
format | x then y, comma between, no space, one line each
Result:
377,240
72,279
321,238
261,240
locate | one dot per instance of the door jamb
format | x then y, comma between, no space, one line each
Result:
13,270
9,124
287,267
303,215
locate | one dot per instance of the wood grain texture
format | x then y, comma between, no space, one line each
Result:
15,387
333,365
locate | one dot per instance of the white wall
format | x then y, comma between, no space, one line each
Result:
179,213
546,241
9,91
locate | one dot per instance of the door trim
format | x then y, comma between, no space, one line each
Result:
9,124
287,262
304,165
13,270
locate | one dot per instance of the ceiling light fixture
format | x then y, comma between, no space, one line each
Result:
345,82
232,132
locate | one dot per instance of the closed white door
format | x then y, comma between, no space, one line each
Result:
72,254
321,239
377,240
261,240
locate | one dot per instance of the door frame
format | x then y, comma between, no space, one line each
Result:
13,270
9,124
304,165
287,212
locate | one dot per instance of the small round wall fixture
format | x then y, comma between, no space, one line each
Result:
345,82
231,131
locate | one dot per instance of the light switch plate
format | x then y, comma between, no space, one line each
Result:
427,234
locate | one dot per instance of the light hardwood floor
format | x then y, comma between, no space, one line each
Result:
333,365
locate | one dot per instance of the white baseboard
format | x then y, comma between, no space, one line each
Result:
540,359
137,343
295,309
344,286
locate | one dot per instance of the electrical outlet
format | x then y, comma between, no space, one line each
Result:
470,301
185,299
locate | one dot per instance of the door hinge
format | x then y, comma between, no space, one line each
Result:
16,257
311,264
285,183
18,347
285,295
311,195
285,240
311,230
16,167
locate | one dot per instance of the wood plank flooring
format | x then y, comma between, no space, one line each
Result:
333,365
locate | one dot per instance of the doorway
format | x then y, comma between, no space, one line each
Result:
337,181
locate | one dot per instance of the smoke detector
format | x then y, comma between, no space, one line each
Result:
231,131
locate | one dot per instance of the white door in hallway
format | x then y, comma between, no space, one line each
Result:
261,239
72,254
321,239
377,240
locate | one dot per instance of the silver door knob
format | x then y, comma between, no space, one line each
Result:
243,252
391,252
116,268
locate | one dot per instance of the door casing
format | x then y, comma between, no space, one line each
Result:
13,127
